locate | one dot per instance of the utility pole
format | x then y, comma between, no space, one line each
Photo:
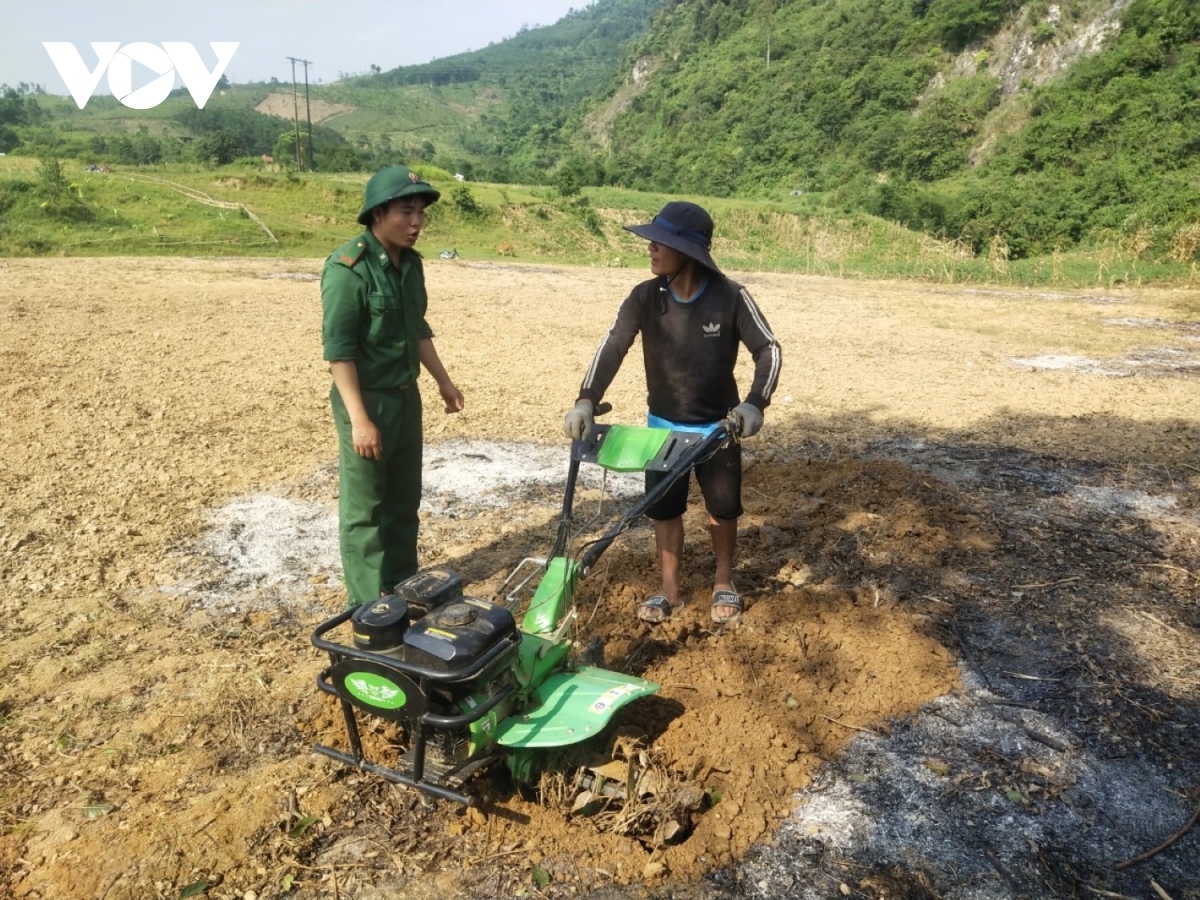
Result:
296,114
308,115
307,112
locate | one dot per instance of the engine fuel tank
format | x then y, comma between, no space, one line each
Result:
453,636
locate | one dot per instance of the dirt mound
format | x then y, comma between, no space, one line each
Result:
751,712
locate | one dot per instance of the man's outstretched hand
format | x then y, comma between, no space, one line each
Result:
579,420
752,418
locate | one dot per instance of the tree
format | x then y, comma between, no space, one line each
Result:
959,22
338,159
16,109
766,17
52,183
567,181
219,148
935,145
284,150
464,201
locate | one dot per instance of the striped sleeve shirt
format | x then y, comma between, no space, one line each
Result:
690,350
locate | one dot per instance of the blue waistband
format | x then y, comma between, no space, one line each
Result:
659,422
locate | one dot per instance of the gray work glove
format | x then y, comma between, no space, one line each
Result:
752,418
579,420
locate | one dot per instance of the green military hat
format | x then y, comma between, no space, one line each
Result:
392,182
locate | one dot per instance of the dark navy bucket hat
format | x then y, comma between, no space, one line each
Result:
683,226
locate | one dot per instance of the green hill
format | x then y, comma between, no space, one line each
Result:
52,208
1011,129
501,113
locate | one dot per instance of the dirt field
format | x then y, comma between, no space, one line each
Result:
970,666
284,106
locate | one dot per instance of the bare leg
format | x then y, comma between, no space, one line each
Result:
724,539
668,537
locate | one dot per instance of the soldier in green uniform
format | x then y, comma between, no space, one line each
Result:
375,340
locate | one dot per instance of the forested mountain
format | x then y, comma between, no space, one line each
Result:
534,85
1017,126
1041,124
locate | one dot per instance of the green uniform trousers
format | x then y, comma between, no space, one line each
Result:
378,500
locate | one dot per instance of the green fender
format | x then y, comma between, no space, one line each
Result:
571,707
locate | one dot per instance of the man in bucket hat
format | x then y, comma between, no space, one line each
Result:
376,339
692,319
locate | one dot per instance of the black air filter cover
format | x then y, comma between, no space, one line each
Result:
429,589
380,626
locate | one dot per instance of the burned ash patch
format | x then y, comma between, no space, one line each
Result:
466,476
1155,361
292,276
261,551
1105,299
264,551
981,796
1185,328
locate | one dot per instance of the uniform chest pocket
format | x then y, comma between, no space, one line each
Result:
387,321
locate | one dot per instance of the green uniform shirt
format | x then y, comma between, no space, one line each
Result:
374,314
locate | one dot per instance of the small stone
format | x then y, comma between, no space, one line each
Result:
800,576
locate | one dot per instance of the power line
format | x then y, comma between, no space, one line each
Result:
296,113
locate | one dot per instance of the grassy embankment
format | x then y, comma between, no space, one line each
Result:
160,211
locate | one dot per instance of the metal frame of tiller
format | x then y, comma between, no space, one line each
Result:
543,626
422,724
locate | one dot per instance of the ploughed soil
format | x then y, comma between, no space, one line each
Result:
936,457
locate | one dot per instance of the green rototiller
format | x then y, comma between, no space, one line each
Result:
469,685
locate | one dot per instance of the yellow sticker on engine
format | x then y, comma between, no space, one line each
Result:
443,635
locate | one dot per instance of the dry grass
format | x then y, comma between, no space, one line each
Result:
633,793
1185,244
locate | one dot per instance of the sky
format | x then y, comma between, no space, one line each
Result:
341,37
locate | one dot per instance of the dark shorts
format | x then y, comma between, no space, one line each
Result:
720,480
